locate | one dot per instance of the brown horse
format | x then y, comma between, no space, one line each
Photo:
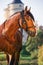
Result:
11,37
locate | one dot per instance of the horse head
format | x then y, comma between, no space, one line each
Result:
27,22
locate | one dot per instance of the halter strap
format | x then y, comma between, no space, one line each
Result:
23,20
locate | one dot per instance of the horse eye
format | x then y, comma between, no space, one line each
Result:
24,22
28,19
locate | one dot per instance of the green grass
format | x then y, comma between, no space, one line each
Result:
23,60
3,63
2,57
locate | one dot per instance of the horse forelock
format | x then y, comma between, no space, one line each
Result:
31,15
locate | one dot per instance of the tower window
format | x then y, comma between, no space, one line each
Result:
20,5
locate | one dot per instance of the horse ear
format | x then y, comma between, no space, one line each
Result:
25,10
29,9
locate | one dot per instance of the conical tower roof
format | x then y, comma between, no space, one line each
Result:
16,1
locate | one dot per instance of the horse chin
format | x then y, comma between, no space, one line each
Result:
32,35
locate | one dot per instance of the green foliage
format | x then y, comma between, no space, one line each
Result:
31,46
40,55
40,37
24,52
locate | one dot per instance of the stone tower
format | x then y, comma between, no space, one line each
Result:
13,7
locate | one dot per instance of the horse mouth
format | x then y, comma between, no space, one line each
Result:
31,33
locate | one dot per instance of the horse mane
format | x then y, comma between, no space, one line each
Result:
9,17
14,14
28,12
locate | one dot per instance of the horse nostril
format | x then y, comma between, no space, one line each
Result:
29,32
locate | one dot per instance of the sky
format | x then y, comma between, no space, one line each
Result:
36,9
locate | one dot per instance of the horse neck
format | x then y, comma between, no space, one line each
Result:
12,25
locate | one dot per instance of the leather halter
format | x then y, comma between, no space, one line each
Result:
23,20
